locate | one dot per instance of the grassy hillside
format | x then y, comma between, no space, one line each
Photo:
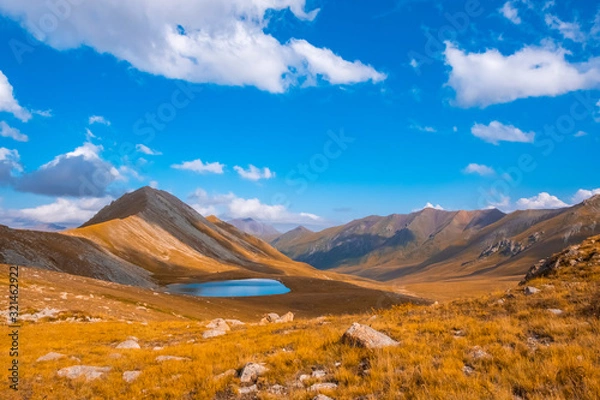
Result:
506,345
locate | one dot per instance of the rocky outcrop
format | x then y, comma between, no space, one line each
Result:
509,247
251,372
83,371
365,336
273,318
130,376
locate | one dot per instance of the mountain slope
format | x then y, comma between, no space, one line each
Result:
255,228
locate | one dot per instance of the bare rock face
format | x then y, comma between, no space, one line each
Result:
365,336
251,372
87,372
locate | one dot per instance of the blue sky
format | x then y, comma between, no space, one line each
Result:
293,113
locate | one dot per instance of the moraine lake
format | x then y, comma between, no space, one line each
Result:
234,288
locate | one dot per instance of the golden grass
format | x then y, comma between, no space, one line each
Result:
530,353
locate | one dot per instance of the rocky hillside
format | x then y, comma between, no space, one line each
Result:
536,341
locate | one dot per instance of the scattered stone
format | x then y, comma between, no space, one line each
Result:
251,372
322,397
248,390
50,357
272,317
133,338
468,370
227,374
277,390
234,323
458,333
319,374
555,311
530,290
477,353
130,376
303,378
157,348
129,344
289,317
501,302
213,333
78,371
219,324
172,358
364,336
317,387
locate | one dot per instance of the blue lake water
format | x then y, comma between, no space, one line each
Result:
236,288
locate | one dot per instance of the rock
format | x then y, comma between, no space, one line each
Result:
78,371
501,302
50,357
130,376
248,390
303,378
251,372
129,344
234,322
319,374
227,374
289,317
277,390
219,324
317,387
321,397
468,370
364,336
172,358
213,333
555,311
132,338
530,290
477,353
157,348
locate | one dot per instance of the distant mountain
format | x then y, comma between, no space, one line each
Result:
255,228
432,245
289,238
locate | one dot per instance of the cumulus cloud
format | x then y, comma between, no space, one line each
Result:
581,134
542,201
13,133
432,206
8,103
510,12
211,41
98,119
497,132
483,79
9,165
583,194
230,206
65,211
200,167
569,30
253,173
79,173
140,148
479,169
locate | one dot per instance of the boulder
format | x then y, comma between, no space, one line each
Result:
289,317
277,390
130,376
319,374
251,372
365,336
50,357
321,397
226,374
555,311
234,323
87,372
171,358
317,387
530,290
129,344
477,353
213,333
248,390
219,324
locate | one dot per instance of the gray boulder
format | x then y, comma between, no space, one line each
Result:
365,336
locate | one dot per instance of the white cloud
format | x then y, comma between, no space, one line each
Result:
13,133
253,173
8,103
510,12
98,119
496,132
79,173
483,79
9,165
64,211
580,134
595,31
42,113
479,169
230,206
583,194
542,201
569,30
211,41
430,205
200,167
147,150
422,128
